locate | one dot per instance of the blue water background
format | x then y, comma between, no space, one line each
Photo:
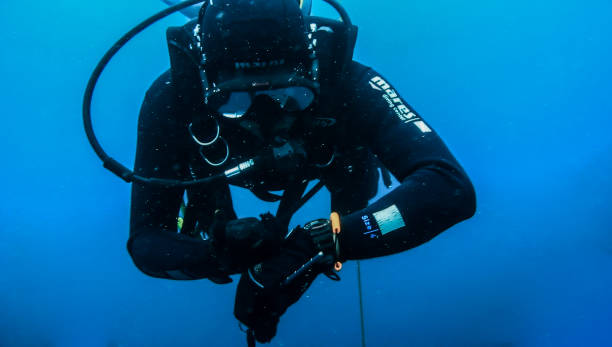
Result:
519,90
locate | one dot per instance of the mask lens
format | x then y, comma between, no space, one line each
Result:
236,104
291,98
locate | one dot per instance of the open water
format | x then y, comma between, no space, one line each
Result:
520,91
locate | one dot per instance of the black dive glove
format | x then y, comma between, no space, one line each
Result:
266,290
241,243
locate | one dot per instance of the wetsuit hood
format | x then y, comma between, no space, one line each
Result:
253,45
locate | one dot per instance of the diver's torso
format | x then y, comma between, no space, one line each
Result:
225,143
297,146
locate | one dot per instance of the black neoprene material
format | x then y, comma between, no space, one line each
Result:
435,193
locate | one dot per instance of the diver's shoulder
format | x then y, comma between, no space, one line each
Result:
159,102
162,86
357,71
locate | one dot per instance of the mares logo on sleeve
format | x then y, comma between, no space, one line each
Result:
396,103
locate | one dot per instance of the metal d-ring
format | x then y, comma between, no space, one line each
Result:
224,159
195,138
331,160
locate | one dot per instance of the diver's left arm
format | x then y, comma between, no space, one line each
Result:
435,193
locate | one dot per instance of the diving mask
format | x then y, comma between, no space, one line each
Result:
235,104
235,96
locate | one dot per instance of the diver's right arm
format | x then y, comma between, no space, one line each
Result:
154,244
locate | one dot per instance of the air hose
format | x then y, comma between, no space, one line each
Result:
111,164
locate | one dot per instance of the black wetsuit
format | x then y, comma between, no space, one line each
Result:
364,119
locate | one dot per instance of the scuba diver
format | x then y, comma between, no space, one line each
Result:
264,96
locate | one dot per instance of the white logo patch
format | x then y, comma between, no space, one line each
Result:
389,219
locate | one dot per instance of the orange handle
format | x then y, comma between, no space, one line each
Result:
335,221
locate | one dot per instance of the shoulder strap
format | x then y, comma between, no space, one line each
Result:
335,44
295,200
184,66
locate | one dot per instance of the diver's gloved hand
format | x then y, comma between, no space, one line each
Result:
241,243
266,290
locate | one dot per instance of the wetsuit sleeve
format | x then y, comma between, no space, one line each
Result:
154,244
435,192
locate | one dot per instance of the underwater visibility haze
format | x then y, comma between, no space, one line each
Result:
519,91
